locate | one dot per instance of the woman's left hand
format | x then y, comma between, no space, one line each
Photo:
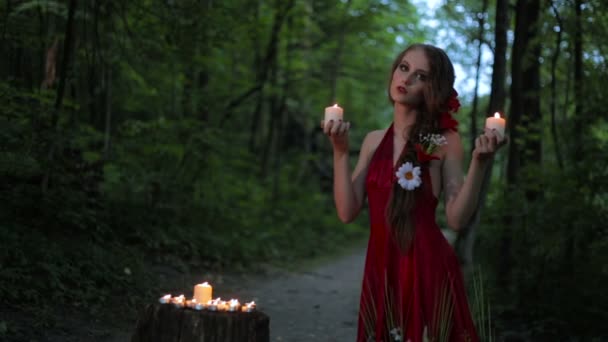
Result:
487,144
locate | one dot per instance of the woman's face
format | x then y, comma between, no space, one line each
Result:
409,78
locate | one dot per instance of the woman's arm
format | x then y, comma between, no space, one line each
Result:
462,196
349,191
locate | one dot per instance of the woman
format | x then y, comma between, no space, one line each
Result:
412,284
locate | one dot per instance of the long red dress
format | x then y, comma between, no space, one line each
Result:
406,294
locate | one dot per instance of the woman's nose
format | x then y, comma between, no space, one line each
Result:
410,79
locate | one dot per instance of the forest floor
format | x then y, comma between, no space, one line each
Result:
316,300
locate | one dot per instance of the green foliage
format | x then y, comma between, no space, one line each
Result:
557,239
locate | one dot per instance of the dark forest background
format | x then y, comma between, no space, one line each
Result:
185,133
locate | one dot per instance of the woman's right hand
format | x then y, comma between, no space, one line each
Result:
337,131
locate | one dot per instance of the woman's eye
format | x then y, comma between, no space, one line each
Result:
403,67
421,77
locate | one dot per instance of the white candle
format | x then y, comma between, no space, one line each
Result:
248,307
497,123
233,305
213,304
334,112
203,292
179,301
199,306
165,299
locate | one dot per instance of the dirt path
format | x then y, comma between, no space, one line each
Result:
316,305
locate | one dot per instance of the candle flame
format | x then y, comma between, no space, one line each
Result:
336,105
204,284
497,115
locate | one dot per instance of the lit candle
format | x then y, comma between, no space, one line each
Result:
179,301
248,307
334,112
165,299
203,292
233,305
496,123
222,306
196,305
213,304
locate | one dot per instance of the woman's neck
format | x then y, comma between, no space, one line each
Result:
404,117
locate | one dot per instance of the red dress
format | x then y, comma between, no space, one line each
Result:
406,294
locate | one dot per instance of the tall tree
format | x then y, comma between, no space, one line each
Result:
525,148
578,79
554,96
481,21
466,239
65,64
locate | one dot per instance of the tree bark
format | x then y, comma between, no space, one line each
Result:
69,33
480,22
578,81
553,99
108,121
167,323
466,238
283,9
525,69
525,86
337,56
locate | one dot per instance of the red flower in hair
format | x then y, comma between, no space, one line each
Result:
446,121
453,103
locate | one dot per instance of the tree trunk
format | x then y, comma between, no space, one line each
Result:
108,121
553,99
480,22
578,82
466,238
525,85
3,45
273,121
167,323
264,69
337,56
69,33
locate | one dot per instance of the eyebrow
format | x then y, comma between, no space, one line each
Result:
408,63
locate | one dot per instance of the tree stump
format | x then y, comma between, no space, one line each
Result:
168,323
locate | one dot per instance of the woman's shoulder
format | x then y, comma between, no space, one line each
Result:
373,138
453,146
450,134
371,142
377,134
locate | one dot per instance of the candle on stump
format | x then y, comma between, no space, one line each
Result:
248,307
179,301
165,299
213,304
334,112
497,123
194,304
203,292
233,305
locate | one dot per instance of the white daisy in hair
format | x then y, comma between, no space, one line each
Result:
409,176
